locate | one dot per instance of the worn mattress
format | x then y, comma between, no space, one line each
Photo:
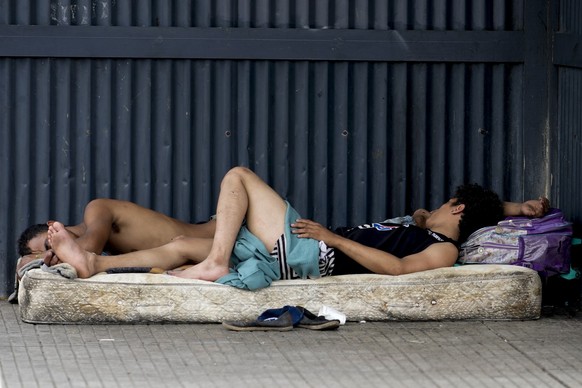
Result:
483,292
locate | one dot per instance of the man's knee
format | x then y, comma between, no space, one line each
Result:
239,173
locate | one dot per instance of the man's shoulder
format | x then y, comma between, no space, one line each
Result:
446,251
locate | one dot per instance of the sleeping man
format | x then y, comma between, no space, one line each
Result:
111,226
116,226
259,238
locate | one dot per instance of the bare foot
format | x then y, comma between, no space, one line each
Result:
207,270
68,251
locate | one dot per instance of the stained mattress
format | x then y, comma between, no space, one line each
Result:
480,292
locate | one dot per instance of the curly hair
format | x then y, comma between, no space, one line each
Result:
482,208
28,234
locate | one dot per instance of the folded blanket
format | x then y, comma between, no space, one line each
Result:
13,298
63,269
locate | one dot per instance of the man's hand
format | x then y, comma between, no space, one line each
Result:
535,207
310,229
51,259
420,216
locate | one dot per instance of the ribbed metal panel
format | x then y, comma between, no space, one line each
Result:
345,142
569,148
571,16
459,15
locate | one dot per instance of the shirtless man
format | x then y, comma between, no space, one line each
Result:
270,219
112,226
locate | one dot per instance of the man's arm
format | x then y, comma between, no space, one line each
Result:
380,262
98,219
532,208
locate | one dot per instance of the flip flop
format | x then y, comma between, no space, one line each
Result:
282,322
313,322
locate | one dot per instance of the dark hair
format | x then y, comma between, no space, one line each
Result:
31,232
482,208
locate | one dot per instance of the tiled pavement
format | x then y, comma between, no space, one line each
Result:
542,353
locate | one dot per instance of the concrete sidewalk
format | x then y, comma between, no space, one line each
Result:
543,353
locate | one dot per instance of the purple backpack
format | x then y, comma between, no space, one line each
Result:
542,244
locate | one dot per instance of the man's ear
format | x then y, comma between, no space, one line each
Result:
458,208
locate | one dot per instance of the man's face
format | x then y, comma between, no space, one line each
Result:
37,246
443,212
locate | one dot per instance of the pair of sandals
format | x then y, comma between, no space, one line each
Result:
284,319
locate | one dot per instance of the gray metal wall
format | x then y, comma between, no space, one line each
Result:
354,110
567,144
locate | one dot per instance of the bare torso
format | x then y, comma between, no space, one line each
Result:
133,227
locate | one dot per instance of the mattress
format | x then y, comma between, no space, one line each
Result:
480,292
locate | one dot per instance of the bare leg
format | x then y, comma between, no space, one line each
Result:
178,252
242,195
